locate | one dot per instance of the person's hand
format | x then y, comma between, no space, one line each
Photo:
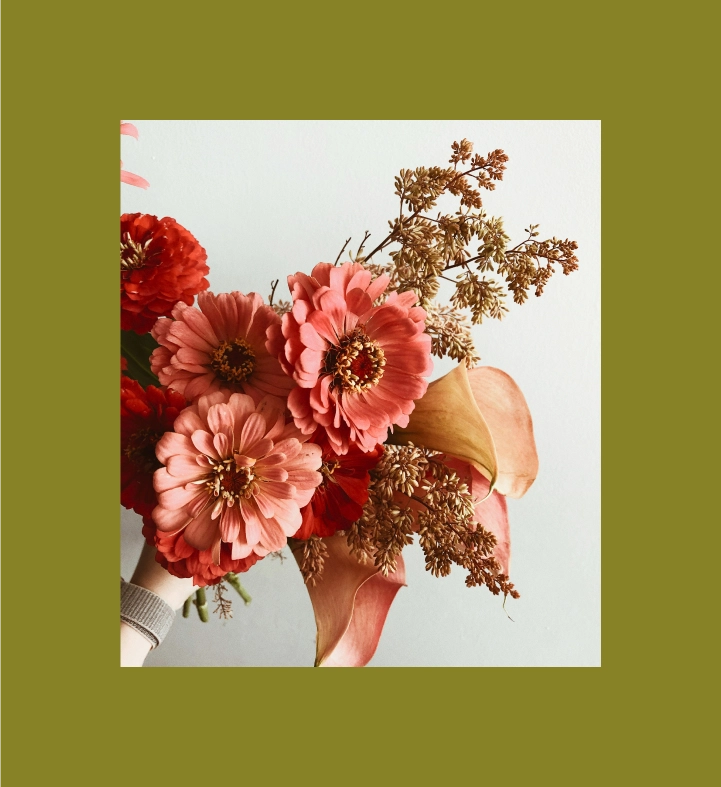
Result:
149,574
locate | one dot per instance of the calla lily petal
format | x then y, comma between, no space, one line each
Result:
490,511
351,602
447,419
505,411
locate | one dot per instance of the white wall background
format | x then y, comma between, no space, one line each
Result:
269,198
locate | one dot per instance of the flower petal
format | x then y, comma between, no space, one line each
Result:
230,521
172,443
129,129
310,338
492,513
203,441
133,180
202,531
505,411
447,419
253,431
184,467
351,602
249,512
221,421
170,521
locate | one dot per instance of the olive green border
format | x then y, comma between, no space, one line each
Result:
70,713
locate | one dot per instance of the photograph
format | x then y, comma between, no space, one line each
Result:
360,393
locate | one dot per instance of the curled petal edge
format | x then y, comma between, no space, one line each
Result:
481,416
506,412
447,419
351,602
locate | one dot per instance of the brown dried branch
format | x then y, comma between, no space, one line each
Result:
428,247
223,605
341,251
450,334
439,505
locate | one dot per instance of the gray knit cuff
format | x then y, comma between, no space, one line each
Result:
147,613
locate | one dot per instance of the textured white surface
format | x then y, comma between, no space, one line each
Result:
267,199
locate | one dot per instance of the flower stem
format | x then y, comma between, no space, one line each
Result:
235,582
186,607
201,604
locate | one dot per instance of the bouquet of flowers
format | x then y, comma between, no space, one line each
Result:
310,421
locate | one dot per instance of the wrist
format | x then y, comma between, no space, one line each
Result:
149,574
134,647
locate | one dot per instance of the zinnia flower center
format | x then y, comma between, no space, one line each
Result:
356,363
132,254
140,450
231,482
234,361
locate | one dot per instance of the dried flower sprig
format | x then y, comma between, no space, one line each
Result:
282,307
387,526
447,543
430,247
450,333
448,533
412,490
223,605
310,554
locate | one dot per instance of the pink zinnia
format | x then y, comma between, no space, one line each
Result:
359,367
219,345
235,473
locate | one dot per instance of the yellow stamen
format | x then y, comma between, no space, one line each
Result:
356,363
233,361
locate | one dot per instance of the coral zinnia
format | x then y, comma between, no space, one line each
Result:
219,345
161,263
145,415
235,473
181,560
338,502
359,367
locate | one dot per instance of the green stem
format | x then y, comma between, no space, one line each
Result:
186,607
201,604
235,583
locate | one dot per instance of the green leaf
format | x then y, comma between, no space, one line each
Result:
137,349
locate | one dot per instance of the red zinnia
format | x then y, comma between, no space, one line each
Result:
145,415
161,263
338,502
177,557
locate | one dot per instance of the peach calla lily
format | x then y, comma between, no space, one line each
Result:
447,419
481,417
506,412
351,602
480,420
